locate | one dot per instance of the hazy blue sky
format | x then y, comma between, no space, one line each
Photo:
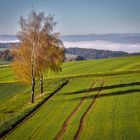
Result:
76,16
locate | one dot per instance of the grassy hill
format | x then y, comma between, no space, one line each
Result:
100,101
109,65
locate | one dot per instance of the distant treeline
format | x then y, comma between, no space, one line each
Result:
81,53
5,52
6,55
97,54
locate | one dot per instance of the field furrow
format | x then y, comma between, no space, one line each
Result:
116,109
67,121
55,110
82,121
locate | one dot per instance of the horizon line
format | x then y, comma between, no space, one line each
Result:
83,34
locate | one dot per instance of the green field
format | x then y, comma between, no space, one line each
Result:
100,101
4,62
15,97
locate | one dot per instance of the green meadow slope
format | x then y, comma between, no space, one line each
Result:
109,65
15,97
89,107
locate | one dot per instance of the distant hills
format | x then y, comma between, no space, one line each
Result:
91,46
80,53
127,42
125,38
96,54
8,38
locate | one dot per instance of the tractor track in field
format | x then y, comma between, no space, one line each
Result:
82,121
31,113
63,129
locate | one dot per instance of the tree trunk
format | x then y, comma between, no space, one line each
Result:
41,85
33,90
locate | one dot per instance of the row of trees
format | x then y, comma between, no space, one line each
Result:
6,55
39,50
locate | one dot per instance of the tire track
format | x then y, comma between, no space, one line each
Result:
81,125
64,127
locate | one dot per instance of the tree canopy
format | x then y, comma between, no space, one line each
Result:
40,49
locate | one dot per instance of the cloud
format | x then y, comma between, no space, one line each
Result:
9,41
98,44
104,45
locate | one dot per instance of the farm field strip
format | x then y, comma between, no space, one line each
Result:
48,108
116,108
92,66
68,111
68,119
113,85
89,67
75,122
61,108
15,102
86,113
100,101
114,73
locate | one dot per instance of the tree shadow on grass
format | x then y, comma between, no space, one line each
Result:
103,88
116,93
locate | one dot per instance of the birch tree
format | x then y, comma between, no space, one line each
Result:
39,49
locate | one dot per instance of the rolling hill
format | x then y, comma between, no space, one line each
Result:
100,101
